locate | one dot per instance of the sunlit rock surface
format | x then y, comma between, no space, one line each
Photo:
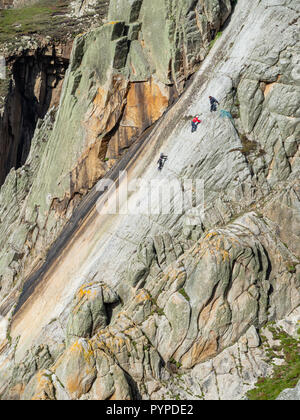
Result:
159,305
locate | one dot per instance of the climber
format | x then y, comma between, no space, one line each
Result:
213,104
161,161
195,123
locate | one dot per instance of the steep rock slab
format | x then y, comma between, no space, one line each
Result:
110,72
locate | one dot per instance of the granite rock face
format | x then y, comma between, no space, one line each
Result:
159,305
113,70
84,7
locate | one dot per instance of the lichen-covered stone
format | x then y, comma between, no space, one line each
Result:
76,369
89,310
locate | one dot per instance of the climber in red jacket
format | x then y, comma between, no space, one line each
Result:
195,123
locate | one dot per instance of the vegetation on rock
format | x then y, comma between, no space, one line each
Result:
40,17
286,374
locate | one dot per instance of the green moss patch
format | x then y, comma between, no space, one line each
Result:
285,376
31,19
46,18
291,267
212,43
184,294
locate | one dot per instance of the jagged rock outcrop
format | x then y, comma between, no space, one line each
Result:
88,7
160,305
35,87
89,313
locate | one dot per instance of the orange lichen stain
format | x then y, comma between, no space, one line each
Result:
85,291
196,249
120,342
113,341
130,331
225,255
87,351
122,314
109,344
142,296
216,245
210,235
44,388
76,347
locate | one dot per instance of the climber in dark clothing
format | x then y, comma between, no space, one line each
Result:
195,123
161,161
213,104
